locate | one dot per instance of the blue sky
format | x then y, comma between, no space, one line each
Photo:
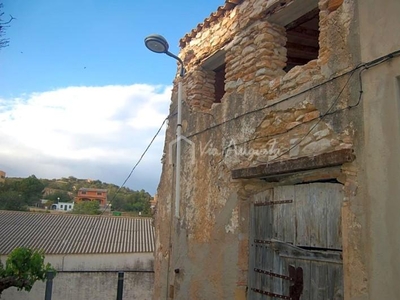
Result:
80,94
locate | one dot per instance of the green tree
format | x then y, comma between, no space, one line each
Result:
30,188
23,268
133,201
87,208
63,196
12,200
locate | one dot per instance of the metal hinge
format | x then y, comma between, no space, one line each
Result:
262,241
264,203
273,274
271,294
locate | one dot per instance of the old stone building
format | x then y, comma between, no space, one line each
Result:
289,158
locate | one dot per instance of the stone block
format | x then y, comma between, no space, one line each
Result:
261,38
322,133
311,116
306,141
292,125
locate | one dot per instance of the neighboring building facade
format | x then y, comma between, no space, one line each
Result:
2,176
63,206
289,173
92,194
87,252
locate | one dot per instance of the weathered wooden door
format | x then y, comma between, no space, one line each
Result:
295,243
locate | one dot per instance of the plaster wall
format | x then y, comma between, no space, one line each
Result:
89,285
93,276
382,145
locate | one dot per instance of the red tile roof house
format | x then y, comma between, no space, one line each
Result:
92,194
87,252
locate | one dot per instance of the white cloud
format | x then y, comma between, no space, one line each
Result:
86,132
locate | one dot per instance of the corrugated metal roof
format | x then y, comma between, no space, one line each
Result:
75,234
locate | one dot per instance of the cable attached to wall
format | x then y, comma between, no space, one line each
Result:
319,120
363,66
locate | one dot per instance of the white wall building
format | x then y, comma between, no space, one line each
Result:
87,252
63,206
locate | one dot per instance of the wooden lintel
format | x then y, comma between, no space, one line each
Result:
302,48
303,19
324,160
304,32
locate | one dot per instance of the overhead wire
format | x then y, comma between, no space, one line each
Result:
363,67
141,157
328,111
351,71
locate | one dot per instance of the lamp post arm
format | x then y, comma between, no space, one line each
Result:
182,72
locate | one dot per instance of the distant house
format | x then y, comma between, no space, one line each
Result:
63,206
91,194
2,176
87,252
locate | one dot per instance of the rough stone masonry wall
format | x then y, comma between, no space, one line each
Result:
209,244
256,53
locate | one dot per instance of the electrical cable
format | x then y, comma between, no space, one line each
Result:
316,124
130,174
363,65
140,159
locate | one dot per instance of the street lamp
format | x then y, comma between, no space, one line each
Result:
159,44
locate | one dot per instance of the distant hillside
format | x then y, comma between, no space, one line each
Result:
64,189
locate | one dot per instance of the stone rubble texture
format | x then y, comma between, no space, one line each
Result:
209,244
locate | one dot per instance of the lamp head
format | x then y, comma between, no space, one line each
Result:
156,43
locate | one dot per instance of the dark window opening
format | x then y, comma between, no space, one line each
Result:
219,83
325,180
302,40
318,248
216,64
83,193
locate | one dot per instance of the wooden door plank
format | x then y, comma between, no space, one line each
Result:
318,199
269,215
285,263
335,286
284,224
257,282
334,223
269,266
252,252
319,280
277,268
305,265
287,250
303,222
278,218
263,215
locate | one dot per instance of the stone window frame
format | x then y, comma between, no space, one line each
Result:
215,65
289,14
